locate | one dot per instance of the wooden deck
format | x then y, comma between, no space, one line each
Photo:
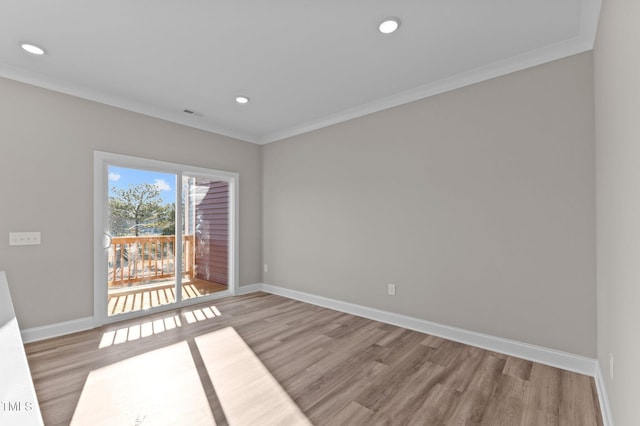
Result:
137,259
139,297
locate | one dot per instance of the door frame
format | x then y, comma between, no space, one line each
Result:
101,162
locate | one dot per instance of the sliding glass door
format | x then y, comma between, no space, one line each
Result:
166,235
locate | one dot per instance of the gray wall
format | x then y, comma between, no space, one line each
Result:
46,184
479,204
617,94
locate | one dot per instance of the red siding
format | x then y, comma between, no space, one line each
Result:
212,231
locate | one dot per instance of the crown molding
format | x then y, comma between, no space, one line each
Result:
83,92
579,44
583,42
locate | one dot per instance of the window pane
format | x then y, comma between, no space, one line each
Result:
206,236
141,258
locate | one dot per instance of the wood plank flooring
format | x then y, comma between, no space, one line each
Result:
265,357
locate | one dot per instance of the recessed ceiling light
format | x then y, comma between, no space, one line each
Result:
389,25
33,49
242,99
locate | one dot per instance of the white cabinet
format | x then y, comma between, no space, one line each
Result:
18,402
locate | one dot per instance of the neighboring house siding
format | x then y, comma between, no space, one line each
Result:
212,231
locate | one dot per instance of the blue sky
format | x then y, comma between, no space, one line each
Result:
121,177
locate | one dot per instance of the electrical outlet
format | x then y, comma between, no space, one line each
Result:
266,267
24,238
611,366
391,288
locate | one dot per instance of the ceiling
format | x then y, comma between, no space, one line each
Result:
304,64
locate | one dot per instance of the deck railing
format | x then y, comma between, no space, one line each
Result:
146,258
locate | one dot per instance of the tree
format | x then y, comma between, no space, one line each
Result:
167,219
138,206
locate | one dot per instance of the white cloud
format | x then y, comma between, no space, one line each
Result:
114,177
162,185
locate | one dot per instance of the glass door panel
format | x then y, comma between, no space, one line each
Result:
206,236
141,257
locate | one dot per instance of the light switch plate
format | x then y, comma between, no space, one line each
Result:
24,238
391,289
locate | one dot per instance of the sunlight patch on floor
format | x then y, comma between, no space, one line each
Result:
138,331
161,387
151,328
248,393
201,314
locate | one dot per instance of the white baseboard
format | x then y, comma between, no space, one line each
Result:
564,360
81,324
55,330
250,288
542,355
603,397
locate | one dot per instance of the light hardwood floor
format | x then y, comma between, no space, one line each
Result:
263,359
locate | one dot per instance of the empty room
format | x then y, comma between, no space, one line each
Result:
329,213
